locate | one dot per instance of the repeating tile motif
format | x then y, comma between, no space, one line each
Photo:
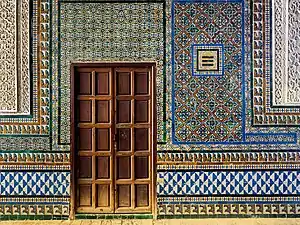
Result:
229,209
286,52
15,143
8,81
29,158
34,84
227,157
34,209
207,109
34,183
262,81
229,183
264,169
116,32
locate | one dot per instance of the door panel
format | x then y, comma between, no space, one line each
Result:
95,144
141,138
123,82
84,139
114,139
103,83
132,156
124,111
85,87
141,111
103,139
142,195
123,139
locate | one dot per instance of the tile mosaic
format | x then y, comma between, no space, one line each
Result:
226,138
35,95
35,183
41,209
114,28
255,183
207,109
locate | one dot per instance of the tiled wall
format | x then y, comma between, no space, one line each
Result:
228,137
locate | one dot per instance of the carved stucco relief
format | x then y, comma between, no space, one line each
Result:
14,57
293,80
286,52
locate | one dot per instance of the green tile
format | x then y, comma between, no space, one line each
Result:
130,217
101,217
109,217
113,216
22,217
144,216
91,217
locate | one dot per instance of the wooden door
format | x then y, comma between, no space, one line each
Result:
113,138
133,135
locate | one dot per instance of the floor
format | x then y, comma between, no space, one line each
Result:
252,221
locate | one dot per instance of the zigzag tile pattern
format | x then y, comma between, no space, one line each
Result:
229,183
34,183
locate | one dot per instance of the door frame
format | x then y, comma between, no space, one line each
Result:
153,172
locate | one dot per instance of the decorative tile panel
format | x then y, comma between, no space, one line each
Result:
232,152
34,183
36,65
229,209
266,84
185,183
34,209
207,109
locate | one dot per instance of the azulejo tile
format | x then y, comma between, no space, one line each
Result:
261,183
34,183
228,138
213,119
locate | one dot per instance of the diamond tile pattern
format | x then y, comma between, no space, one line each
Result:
34,183
229,183
214,119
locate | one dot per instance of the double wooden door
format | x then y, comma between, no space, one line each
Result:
113,138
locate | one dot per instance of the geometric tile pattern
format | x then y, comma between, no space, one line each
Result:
215,56
229,159
185,183
207,109
195,210
35,209
34,88
268,87
260,178
34,183
101,43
